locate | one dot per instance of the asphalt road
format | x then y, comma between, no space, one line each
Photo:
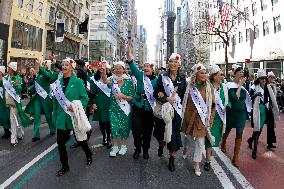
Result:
20,170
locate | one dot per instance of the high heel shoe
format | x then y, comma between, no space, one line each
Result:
197,171
185,153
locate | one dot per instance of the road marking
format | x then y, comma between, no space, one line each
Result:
26,167
97,146
220,173
236,173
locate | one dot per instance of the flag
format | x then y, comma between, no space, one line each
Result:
83,27
211,23
225,15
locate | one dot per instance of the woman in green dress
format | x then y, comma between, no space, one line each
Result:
237,113
101,103
219,122
259,110
120,118
4,116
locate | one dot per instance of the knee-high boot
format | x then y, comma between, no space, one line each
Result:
224,140
237,148
253,155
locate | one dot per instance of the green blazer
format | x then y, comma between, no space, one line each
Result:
74,91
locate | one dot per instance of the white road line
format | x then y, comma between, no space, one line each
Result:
220,173
236,173
26,167
97,146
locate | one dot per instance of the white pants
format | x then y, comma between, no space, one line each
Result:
17,131
199,146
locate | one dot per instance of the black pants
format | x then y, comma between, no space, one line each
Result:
62,137
271,137
142,128
105,129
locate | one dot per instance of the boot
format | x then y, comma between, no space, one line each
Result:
104,142
171,164
160,151
145,154
136,154
108,144
237,148
253,155
223,144
250,140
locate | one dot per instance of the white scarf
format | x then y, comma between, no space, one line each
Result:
10,90
256,112
275,109
220,107
123,104
119,78
102,86
233,85
168,114
1,92
149,91
60,96
80,121
169,89
40,90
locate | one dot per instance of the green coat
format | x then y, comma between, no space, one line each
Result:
74,91
102,101
4,115
25,119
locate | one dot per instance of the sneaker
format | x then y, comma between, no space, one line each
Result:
114,151
123,150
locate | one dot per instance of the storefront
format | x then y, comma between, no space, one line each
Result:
274,65
4,33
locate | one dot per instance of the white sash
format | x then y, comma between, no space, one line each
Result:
221,110
102,86
10,90
149,91
199,103
40,90
1,92
169,89
233,85
60,97
123,104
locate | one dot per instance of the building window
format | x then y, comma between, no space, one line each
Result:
263,4
25,36
20,3
277,24
87,5
30,5
234,40
51,15
256,32
247,34
265,28
254,9
40,8
67,24
274,2
240,37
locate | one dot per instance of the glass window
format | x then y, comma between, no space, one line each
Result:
256,32
277,24
254,9
265,28
247,34
31,5
240,37
51,15
40,5
20,3
263,4
274,2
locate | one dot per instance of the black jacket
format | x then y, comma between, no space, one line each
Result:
82,74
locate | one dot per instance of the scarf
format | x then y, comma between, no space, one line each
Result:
256,112
275,109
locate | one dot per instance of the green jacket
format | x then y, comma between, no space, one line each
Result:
74,91
141,102
4,115
25,119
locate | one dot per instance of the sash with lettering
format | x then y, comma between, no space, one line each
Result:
149,90
10,90
102,86
123,104
1,92
199,103
40,90
169,89
233,85
221,110
60,97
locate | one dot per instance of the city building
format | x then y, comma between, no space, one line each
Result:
142,52
259,38
85,6
103,31
72,12
6,8
26,32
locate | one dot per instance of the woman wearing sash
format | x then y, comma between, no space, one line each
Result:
120,118
237,113
4,115
12,91
170,88
219,122
41,100
69,88
198,111
101,103
143,101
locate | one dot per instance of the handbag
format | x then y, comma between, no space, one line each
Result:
9,100
157,111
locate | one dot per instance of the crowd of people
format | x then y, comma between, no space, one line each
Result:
203,107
